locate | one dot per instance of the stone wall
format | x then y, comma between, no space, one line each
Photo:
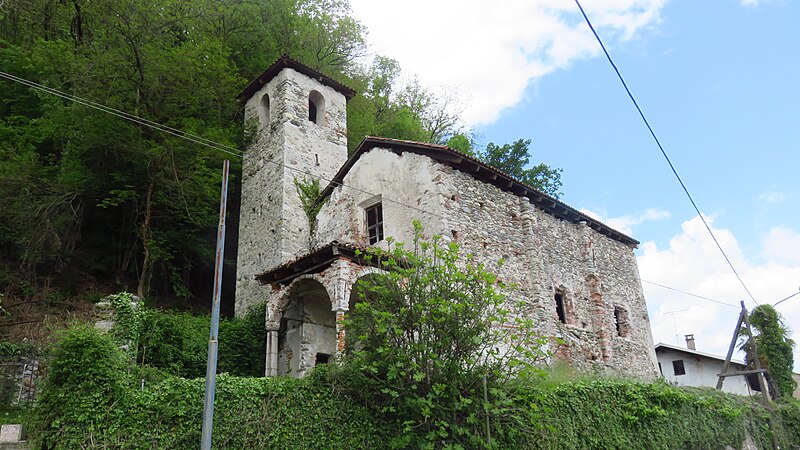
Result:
272,225
542,255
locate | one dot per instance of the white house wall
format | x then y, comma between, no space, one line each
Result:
700,371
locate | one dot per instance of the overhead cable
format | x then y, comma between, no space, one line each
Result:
664,153
189,136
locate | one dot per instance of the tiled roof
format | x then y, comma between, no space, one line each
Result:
483,172
287,62
315,261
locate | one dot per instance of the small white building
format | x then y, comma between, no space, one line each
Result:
688,367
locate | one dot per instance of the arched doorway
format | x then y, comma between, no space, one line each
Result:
307,333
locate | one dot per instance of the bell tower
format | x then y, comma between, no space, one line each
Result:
298,121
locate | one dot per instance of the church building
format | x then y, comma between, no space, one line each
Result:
577,276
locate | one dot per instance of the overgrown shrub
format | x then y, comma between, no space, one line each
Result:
177,342
86,392
90,401
428,336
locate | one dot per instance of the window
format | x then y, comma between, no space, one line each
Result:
560,311
375,223
621,321
312,111
316,107
677,367
263,110
322,358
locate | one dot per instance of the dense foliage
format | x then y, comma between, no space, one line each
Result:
775,349
425,338
87,195
93,202
94,400
177,342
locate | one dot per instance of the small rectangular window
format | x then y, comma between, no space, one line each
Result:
677,367
375,223
562,313
322,358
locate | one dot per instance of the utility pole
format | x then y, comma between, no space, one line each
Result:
211,366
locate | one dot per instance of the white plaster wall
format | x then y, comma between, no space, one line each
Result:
272,225
700,371
541,253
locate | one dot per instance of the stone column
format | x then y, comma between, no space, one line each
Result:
272,354
340,331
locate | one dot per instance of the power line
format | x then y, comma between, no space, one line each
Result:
124,115
689,293
663,152
189,136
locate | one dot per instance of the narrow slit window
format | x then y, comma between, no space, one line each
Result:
621,321
375,223
560,311
312,111
316,108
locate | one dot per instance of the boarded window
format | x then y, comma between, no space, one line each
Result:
677,367
375,223
560,310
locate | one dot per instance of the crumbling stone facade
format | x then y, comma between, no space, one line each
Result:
577,277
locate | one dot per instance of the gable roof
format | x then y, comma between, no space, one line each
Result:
482,172
286,62
663,346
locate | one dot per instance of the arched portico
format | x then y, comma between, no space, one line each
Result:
306,308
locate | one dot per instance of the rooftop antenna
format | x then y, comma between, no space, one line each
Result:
675,324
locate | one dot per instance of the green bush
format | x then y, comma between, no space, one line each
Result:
91,401
788,410
177,342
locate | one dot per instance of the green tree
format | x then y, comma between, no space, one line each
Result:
423,335
514,158
774,349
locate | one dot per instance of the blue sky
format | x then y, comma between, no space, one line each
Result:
718,82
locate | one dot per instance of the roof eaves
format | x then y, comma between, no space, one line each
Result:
483,172
286,62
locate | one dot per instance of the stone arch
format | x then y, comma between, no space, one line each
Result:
307,328
264,110
316,108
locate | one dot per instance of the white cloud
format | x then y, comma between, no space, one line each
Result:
490,51
692,263
782,244
772,198
625,224
750,2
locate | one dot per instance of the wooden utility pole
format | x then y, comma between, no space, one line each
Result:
759,371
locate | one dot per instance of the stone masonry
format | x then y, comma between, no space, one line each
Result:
273,227
577,277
